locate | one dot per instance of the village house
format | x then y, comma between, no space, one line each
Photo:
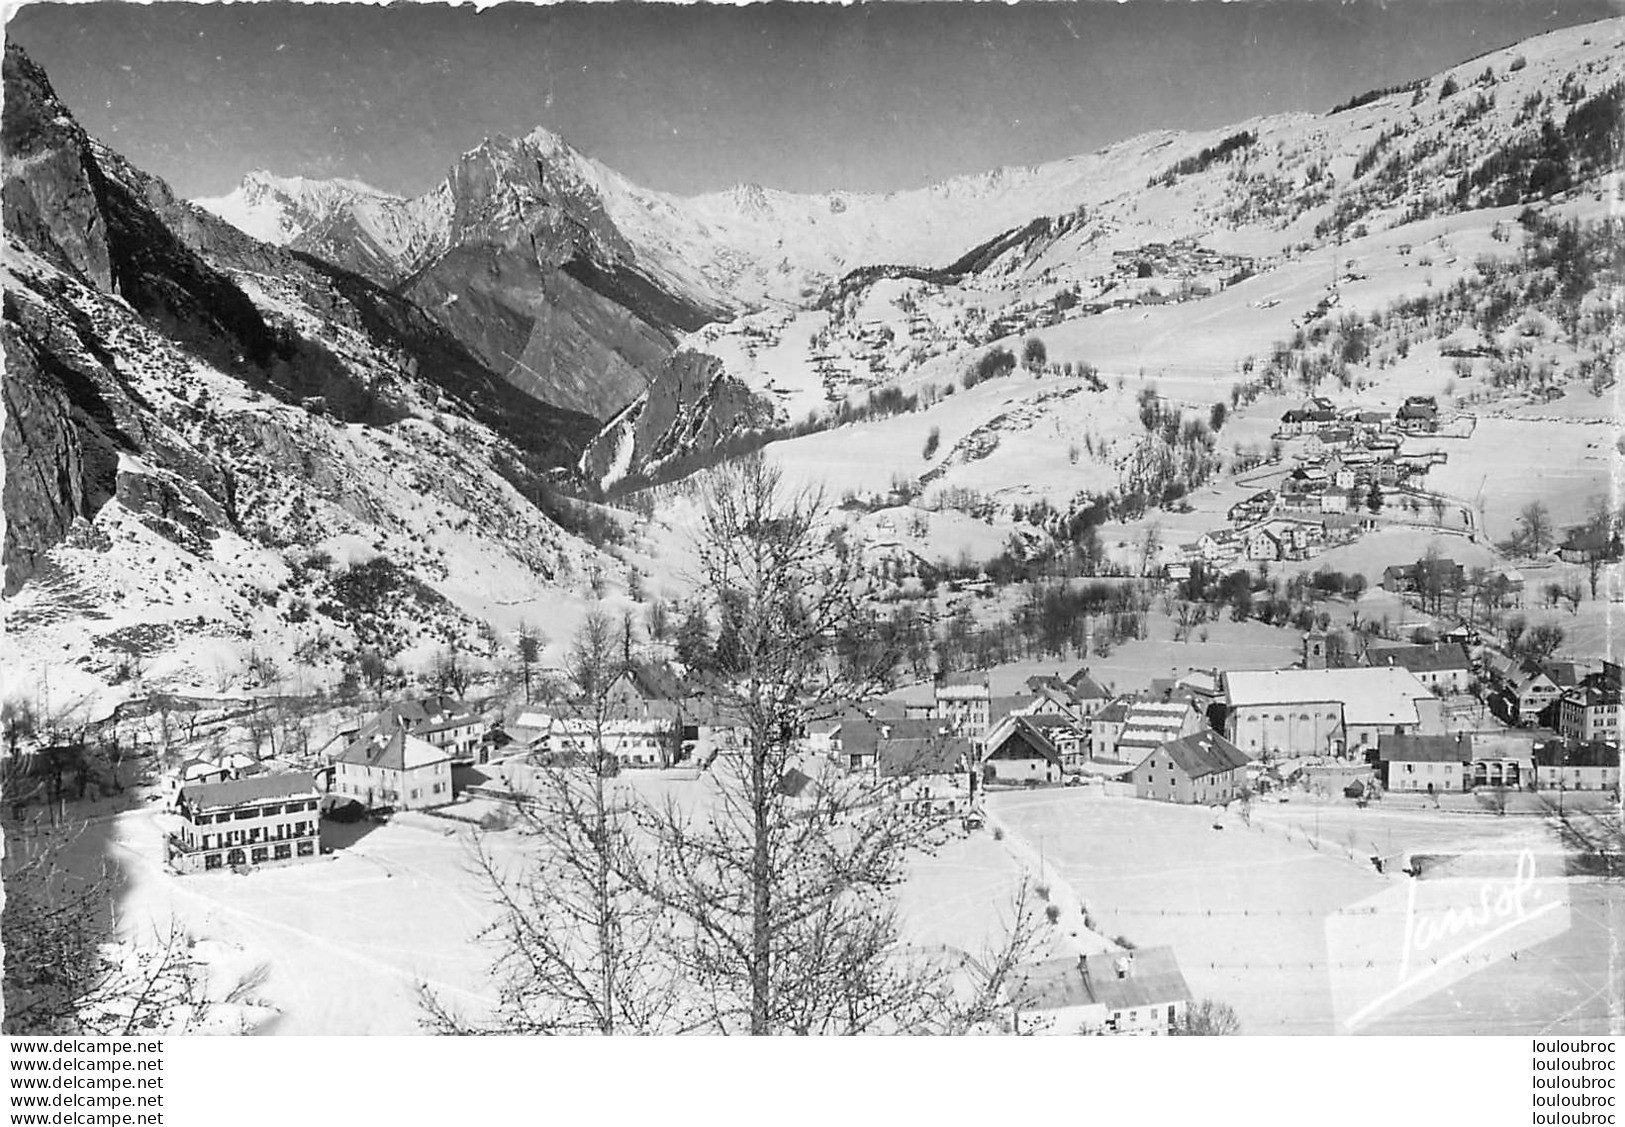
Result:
1203,768
1070,737
264,820
1019,752
1307,479
649,740
859,738
1444,666
1091,696
1218,546
1571,765
1420,413
1435,764
1105,726
443,721
1152,723
1111,993
1263,545
396,770
1590,712
1328,440
965,700
1256,507
1586,544
1522,691
931,774
1334,499
1325,711
644,685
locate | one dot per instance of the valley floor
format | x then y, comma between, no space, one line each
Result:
1246,909
348,938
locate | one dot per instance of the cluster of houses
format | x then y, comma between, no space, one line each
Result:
1350,457
1207,737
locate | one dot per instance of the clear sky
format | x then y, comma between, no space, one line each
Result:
689,98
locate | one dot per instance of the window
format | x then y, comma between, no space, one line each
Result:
306,848
212,861
283,852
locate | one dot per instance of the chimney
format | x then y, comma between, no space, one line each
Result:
1124,965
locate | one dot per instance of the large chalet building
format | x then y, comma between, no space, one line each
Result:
261,820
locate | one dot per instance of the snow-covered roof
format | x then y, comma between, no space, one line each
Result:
400,752
1369,696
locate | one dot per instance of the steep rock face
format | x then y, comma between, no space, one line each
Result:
692,407
543,286
192,417
516,254
49,196
59,467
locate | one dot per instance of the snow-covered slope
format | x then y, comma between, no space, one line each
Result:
225,463
278,209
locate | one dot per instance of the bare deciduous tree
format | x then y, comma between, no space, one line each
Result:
783,891
579,949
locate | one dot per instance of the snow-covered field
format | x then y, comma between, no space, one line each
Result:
1246,909
348,937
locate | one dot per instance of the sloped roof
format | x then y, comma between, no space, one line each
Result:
1113,713
794,782
1573,753
1085,687
1002,706
931,755
1150,977
1035,740
1436,658
1205,753
463,720
1425,749
655,682
259,788
399,752
862,736
1369,696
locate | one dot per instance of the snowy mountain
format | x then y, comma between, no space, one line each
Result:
577,284
1181,255
225,460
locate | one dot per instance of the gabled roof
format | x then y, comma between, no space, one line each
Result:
860,735
1205,753
1114,713
259,788
1000,707
1573,753
397,752
1117,981
1085,687
932,755
1019,728
966,679
1425,749
1436,658
655,682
